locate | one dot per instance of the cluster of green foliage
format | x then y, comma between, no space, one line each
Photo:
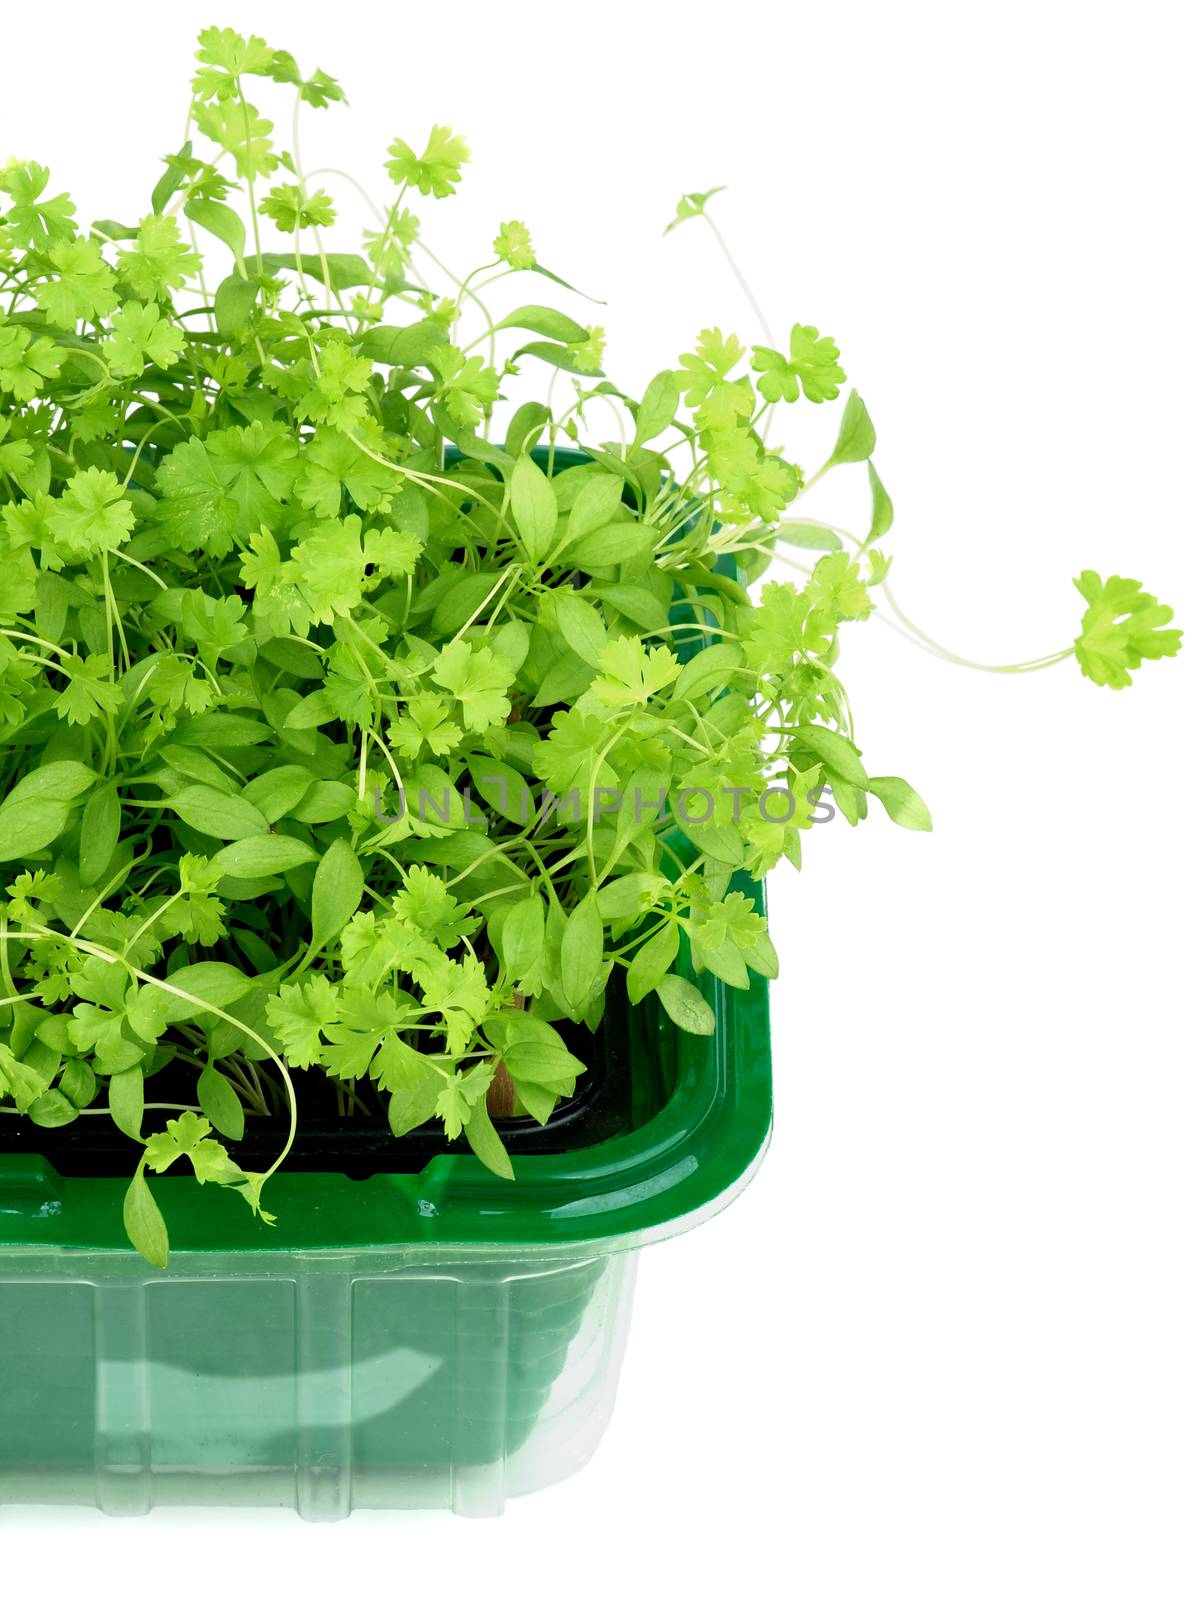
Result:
269,567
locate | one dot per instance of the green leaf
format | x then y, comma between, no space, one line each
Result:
485,1141
404,347
534,508
568,358
479,681
158,261
657,408
527,427
216,814
837,752
811,365
204,984
581,953
277,792
439,167
630,895
99,832
83,288
903,803
78,1083
414,1086
345,271
52,1110
554,277
856,436
34,222
686,1005
881,507
126,1100
503,788
28,826
56,780
1122,628
642,607
805,534
144,1222
262,856
545,320
325,802
467,599
337,891
521,936
221,221
220,1103
25,1084
142,337
172,179
714,667
233,304
655,957
692,205
541,1063
632,675
565,680
92,516
514,246
292,208
300,1014
596,505
610,546
581,625
219,730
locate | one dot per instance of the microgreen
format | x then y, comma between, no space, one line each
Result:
347,730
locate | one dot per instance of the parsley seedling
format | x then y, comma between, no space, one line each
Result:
341,734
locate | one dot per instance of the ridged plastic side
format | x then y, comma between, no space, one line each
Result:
438,1339
442,1385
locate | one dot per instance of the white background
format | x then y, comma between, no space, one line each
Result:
947,1344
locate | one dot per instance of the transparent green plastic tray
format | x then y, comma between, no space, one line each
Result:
440,1338
433,1339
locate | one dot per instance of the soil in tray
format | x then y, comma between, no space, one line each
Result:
359,1144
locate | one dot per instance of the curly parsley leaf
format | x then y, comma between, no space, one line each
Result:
810,365
437,170
1123,627
141,337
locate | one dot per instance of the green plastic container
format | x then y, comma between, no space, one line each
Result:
436,1339
431,1339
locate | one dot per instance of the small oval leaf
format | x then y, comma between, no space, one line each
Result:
337,891
260,856
217,815
144,1222
686,1005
